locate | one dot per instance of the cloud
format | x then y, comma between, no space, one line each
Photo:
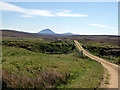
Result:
36,12
10,7
67,10
98,25
26,12
67,13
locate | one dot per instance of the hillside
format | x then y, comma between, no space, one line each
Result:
18,34
14,33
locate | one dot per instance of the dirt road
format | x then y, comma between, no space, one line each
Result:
110,67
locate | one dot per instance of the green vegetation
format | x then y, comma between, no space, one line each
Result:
23,67
42,47
106,77
104,50
51,61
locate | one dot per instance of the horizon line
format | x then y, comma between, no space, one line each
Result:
61,33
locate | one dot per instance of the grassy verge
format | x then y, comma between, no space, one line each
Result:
105,81
27,69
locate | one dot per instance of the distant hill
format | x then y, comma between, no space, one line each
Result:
9,34
46,31
68,34
19,34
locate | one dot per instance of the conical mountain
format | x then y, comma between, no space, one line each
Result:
46,31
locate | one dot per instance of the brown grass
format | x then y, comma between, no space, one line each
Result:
45,79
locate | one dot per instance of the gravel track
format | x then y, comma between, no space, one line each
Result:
111,68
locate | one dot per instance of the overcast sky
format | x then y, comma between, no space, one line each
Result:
97,18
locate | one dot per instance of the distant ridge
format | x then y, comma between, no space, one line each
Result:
19,34
68,34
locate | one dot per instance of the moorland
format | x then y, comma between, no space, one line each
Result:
31,60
